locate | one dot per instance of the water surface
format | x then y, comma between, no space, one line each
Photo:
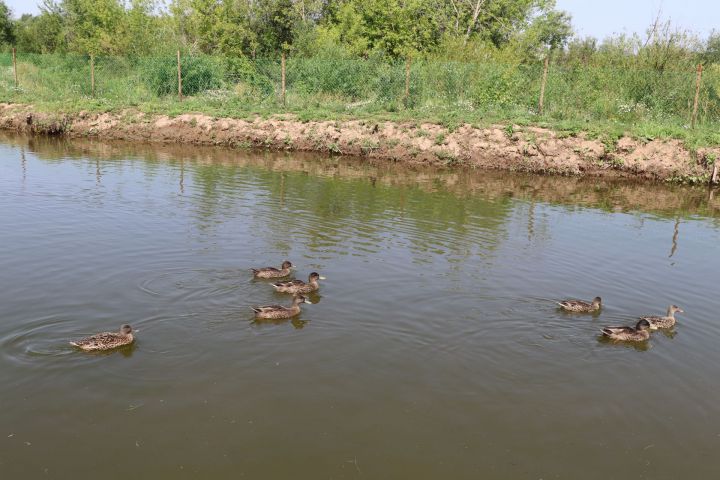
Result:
434,349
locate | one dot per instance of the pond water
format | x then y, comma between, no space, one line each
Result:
434,348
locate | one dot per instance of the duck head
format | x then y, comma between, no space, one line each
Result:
298,299
642,325
314,277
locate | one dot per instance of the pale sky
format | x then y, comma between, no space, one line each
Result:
597,18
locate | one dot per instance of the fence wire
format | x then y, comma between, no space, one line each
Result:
572,92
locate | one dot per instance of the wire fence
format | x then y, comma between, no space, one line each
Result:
347,84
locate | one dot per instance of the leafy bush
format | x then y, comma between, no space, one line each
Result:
198,74
244,72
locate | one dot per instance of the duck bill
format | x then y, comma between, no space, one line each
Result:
307,301
323,278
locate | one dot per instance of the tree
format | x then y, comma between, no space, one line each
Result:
42,33
276,24
553,29
393,27
711,52
94,26
7,33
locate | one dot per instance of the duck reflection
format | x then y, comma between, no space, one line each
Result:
297,323
638,346
314,297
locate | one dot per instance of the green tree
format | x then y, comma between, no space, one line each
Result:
275,23
711,52
94,26
7,33
394,27
42,33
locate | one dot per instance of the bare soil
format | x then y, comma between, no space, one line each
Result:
526,149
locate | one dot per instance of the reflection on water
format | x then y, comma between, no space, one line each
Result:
433,350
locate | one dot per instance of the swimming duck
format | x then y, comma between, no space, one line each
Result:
666,321
298,286
272,272
581,306
639,333
106,340
279,311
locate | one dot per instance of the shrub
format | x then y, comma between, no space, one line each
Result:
198,74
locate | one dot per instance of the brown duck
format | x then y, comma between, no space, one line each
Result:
639,333
666,321
279,311
298,286
272,272
581,306
106,340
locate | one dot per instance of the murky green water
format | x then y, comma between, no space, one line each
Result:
434,349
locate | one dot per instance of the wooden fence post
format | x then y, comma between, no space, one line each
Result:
180,95
541,104
697,94
407,78
282,75
92,75
15,68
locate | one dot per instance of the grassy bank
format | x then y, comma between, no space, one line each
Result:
603,102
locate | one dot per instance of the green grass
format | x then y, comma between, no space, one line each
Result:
604,102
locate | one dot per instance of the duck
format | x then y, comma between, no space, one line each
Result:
581,306
272,272
279,311
639,333
666,321
298,286
106,340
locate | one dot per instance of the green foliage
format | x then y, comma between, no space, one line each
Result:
199,74
39,34
7,34
244,73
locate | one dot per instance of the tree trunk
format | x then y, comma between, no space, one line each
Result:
473,22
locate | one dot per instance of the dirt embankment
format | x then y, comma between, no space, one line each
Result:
526,149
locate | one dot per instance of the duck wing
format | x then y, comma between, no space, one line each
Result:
289,283
574,304
659,322
613,331
98,341
267,308
265,270
654,321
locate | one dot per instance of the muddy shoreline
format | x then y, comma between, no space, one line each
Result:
511,148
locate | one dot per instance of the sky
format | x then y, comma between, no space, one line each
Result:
602,18
597,18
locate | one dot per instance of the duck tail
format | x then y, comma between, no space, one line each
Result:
254,270
255,309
